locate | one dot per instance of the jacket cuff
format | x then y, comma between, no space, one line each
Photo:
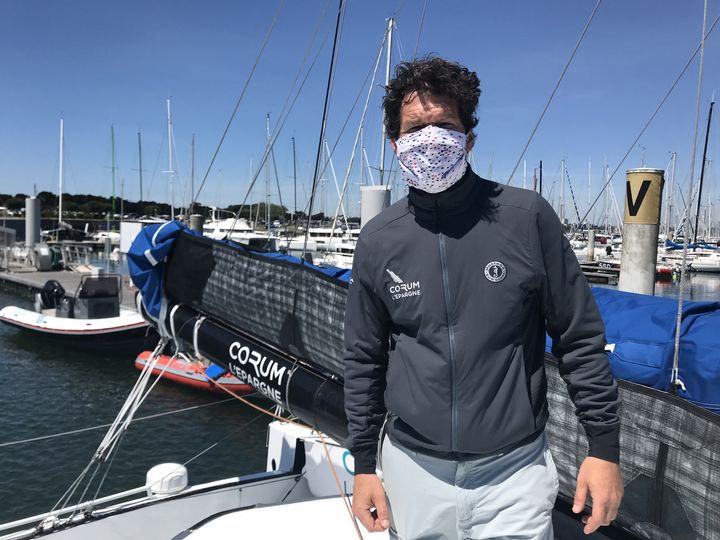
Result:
364,462
604,442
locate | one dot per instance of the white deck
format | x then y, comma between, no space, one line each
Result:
321,519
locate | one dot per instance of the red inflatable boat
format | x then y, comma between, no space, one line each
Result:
182,370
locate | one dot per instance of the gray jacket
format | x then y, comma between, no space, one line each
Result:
447,311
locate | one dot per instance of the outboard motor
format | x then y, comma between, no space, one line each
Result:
51,295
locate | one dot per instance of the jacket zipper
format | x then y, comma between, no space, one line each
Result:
451,338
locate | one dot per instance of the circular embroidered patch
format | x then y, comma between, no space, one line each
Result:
495,271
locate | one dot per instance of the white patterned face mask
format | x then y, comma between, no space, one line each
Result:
432,159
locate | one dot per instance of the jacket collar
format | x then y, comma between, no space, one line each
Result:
457,199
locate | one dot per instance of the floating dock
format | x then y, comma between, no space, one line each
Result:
596,272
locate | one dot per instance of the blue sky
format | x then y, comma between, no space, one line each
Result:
98,63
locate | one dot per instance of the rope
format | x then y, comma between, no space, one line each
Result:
340,488
281,122
118,428
652,117
237,104
557,85
322,439
90,504
119,425
422,20
675,381
233,432
93,428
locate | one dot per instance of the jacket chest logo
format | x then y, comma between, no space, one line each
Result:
495,271
401,289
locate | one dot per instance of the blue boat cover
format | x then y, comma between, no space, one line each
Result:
146,264
640,332
669,244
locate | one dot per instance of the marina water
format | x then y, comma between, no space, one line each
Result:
49,389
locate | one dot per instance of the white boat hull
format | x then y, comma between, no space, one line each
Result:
129,320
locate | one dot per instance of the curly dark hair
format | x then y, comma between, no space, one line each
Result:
437,76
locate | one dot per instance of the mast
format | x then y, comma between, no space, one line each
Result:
267,178
323,185
670,195
294,216
170,170
362,148
702,171
607,200
561,205
589,186
391,23
323,123
192,175
541,177
112,143
140,171
60,173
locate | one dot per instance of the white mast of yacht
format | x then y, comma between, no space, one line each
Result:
60,172
606,217
391,23
267,177
170,171
671,187
589,188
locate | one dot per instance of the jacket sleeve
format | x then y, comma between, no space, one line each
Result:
578,335
367,333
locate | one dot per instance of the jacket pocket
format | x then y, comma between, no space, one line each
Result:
496,404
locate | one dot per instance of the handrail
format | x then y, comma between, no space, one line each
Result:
41,517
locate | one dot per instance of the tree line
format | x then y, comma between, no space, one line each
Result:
87,206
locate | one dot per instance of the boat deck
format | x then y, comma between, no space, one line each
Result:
24,280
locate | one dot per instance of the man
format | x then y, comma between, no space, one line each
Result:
453,290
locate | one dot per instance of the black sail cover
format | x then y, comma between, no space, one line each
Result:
279,326
295,308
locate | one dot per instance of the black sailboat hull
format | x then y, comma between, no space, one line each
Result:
313,398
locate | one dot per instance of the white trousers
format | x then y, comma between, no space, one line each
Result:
500,497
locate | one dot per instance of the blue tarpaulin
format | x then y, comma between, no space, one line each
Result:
640,332
146,263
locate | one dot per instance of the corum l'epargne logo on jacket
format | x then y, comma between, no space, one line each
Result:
400,289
